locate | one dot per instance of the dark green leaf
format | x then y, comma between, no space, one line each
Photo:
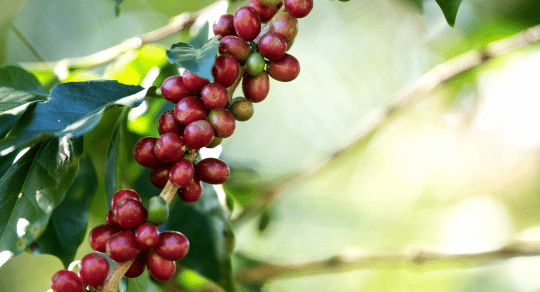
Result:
6,161
110,164
32,188
197,60
67,225
450,9
18,87
143,283
74,109
201,37
117,7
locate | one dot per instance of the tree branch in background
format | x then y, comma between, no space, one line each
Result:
403,100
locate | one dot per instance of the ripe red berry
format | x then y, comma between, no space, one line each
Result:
269,2
247,23
173,89
160,176
213,171
272,46
124,194
225,70
182,173
137,268
256,88
66,281
222,121
192,192
144,153
129,213
236,47
214,95
265,12
242,109
168,124
147,235
172,246
158,267
190,109
286,26
109,218
224,26
122,247
99,236
198,134
94,269
299,8
170,147
285,69
194,82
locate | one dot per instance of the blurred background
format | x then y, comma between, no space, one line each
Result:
455,173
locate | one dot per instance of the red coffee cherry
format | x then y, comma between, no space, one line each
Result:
247,23
270,2
224,26
160,176
299,8
158,267
109,218
198,134
173,89
225,70
182,173
256,88
242,109
124,194
170,147
172,246
99,236
192,192
214,95
222,121
144,153
168,124
147,235
286,26
272,46
213,171
129,213
194,82
236,47
94,269
190,109
285,69
265,12
66,281
137,268
122,247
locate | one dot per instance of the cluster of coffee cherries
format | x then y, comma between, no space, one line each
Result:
131,233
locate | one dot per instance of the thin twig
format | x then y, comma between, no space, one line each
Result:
25,41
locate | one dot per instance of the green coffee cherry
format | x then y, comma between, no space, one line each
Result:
255,64
242,109
158,210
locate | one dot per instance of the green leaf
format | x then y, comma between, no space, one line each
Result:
32,188
18,87
74,109
67,225
143,283
197,60
111,162
450,9
117,7
201,37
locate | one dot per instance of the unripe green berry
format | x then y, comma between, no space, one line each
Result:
215,142
255,64
242,109
158,210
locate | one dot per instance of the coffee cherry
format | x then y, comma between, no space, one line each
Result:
255,64
192,192
170,147
213,171
182,173
269,2
224,26
285,69
242,109
198,134
256,88
225,70
137,268
234,46
173,89
109,218
99,236
158,267
194,82
144,153
124,194
158,210
168,124
172,246
94,269
265,12
222,121
247,23
160,176
214,95
272,46
129,213
147,235
286,26
122,247
66,281
190,109
299,8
